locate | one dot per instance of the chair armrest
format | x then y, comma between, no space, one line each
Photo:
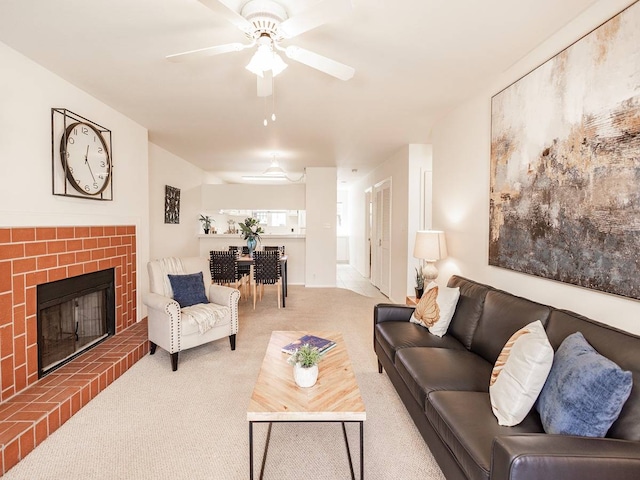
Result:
536,456
221,295
229,297
391,312
160,302
164,321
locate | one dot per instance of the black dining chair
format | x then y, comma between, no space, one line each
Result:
224,268
243,269
266,270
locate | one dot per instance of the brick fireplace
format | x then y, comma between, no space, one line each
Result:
31,409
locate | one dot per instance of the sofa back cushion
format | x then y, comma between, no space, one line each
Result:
468,310
504,314
621,347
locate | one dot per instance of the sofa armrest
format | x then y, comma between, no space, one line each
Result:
391,312
536,456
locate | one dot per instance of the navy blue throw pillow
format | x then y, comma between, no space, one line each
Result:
188,289
584,392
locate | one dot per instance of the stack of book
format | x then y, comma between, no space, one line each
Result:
322,344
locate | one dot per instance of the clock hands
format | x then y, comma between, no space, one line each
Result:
86,161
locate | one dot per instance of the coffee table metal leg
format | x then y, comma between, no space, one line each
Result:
266,449
346,442
361,450
250,450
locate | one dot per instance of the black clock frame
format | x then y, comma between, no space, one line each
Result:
62,184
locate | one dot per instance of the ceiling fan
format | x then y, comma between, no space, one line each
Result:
266,23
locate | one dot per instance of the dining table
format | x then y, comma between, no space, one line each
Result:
248,260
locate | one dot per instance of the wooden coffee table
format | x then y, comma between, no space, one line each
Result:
334,398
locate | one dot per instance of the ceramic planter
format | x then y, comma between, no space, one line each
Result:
305,377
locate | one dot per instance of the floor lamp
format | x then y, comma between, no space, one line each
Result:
430,246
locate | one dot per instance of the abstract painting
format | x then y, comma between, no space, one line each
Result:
171,204
565,164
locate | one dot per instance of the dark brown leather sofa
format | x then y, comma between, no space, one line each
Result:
444,384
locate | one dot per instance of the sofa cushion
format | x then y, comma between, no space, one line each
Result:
618,346
393,336
424,370
519,374
502,316
465,424
585,391
468,309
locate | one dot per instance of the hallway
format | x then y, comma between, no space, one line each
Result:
349,278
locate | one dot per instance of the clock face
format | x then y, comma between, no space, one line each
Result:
85,159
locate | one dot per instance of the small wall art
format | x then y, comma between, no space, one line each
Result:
171,204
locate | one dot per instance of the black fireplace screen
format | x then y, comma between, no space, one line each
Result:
73,315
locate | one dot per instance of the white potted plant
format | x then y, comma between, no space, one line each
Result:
305,365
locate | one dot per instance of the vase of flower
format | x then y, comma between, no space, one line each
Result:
251,244
251,231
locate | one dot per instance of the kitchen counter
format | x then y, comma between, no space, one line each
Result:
264,236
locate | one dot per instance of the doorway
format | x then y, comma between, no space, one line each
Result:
381,235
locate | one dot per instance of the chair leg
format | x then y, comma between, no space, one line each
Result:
279,292
152,347
254,295
379,367
232,340
174,361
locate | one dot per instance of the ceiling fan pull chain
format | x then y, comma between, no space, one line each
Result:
273,99
264,111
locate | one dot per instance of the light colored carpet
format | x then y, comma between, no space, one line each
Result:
153,423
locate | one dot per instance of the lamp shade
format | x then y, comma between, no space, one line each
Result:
430,245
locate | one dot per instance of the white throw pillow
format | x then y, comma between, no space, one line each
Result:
519,374
435,308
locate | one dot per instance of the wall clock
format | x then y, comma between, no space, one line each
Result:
81,160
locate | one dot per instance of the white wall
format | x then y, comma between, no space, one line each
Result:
254,197
404,169
321,201
173,240
419,199
461,191
27,94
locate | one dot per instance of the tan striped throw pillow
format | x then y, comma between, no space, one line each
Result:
519,374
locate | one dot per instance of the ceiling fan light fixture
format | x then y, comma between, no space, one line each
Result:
266,59
278,64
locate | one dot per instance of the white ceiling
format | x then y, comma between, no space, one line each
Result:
414,60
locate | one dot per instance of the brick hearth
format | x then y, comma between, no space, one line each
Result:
32,409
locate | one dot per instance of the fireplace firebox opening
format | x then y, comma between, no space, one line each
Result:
74,315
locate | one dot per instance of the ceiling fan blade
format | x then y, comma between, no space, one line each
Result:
223,8
265,84
206,52
324,64
314,16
